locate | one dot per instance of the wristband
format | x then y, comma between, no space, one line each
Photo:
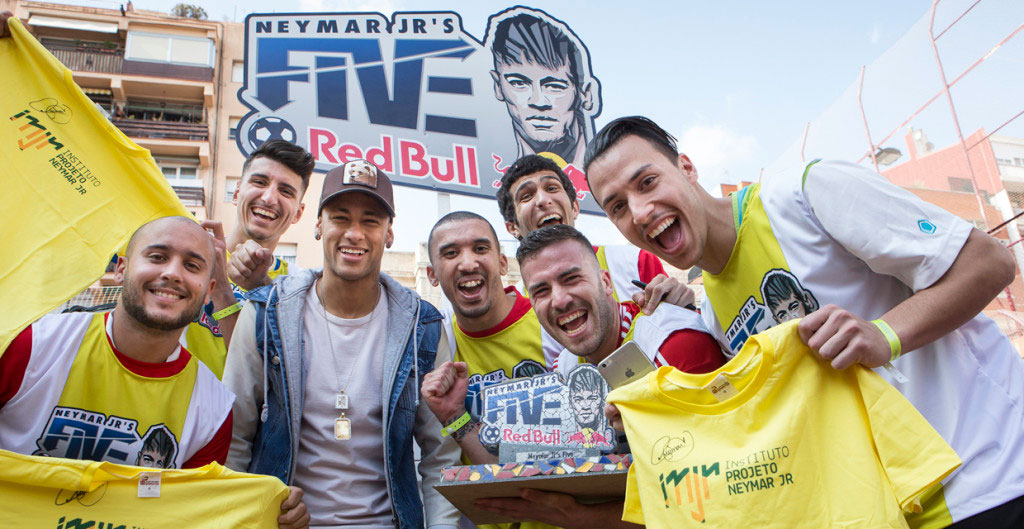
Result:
227,311
456,425
894,341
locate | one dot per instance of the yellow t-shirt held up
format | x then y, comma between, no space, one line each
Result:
53,492
776,438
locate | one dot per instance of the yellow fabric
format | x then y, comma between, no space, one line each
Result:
206,345
98,382
75,187
48,492
796,444
755,254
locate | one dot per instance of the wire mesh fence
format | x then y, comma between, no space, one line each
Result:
939,113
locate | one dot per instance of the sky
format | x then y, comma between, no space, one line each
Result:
736,82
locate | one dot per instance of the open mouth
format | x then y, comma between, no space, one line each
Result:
573,322
167,294
546,220
263,213
667,234
355,252
470,288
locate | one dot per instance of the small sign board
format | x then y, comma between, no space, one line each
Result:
544,417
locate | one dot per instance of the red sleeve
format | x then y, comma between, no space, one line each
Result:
648,265
215,450
13,363
691,351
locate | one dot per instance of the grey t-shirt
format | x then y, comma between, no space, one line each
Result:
343,480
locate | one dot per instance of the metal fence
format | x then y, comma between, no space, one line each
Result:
939,113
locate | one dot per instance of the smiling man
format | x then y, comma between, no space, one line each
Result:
105,386
494,335
268,201
898,280
535,192
572,298
327,365
542,76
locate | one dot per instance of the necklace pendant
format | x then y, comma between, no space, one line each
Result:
341,401
342,428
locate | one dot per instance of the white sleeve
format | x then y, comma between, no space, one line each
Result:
437,452
243,375
891,230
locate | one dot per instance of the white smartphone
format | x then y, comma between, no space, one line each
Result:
625,364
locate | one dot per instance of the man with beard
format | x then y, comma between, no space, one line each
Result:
493,333
574,304
901,282
327,364
535,192
86,386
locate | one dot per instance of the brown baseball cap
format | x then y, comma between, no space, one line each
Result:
358,176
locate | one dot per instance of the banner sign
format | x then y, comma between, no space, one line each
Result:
421,98
543,417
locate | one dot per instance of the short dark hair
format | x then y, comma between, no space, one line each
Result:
525,166
159,440
541,238
288,154
456,216
526,37
640,126
585,380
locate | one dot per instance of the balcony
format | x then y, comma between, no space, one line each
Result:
88,59
190,196
109,58
169,130
150,119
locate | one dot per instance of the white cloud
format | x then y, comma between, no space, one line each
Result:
720,154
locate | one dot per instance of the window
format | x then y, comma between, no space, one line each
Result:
180,171
155,47
286,252
230,185
237,72
233,127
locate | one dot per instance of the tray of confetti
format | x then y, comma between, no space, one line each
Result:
588,479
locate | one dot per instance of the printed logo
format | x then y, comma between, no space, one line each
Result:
34,133
78,523
81,434
926,226
419,96
784,299
698,490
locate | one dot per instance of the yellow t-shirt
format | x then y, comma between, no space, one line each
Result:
75,187
65,493
787,442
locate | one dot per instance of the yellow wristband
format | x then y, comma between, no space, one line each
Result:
455,426
894,341
227,311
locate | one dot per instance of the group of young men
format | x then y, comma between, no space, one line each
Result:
330,376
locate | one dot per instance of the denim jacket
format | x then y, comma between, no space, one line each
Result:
266,368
